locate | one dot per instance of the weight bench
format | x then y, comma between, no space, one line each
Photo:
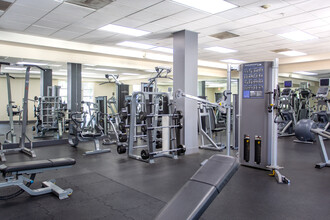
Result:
198,193
14,174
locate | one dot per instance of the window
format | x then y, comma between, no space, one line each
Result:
88,92
63,90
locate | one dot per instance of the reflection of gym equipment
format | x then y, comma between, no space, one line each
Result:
287,120
223,106
307,129
160,129
21,145
50,114
86,128
108,122
16,174
201,189
259,106
12,111
207,121
304,109
322,114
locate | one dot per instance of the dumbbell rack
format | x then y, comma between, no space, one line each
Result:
151,103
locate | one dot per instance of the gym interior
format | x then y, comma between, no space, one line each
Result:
164,109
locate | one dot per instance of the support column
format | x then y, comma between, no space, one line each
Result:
74,87
46,79
201,88
185,61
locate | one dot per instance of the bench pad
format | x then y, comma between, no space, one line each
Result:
37,164
198,193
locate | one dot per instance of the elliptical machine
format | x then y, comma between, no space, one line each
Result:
322,114
287,114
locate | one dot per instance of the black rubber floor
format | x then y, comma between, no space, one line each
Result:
111,186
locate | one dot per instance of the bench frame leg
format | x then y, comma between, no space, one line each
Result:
48,187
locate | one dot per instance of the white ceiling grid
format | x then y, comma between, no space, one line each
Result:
258,27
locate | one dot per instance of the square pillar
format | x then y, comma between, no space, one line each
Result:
185,69
46,79
74,87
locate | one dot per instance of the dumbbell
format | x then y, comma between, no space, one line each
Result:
123,114
122,137
121,148
122,127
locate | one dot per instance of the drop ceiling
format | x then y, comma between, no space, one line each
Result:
258,28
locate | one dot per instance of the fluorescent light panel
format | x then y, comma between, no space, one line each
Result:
298,36
210,6
292,53
306,73
14,68
130,74
31,63
163,49
232,61
124,30
135,45
100,69
220,49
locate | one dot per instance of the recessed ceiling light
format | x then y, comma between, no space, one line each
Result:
135,45
130,74
34,71
55,65
89,65
163,49
210,6
292,53
306,73
232,61
100,69
298,36
30,63
221,49
124,30
14,68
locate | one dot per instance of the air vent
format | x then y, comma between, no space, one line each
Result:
281,50
94,4
4,5
224,35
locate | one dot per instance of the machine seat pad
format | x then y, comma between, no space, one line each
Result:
36,164
92,135
218,129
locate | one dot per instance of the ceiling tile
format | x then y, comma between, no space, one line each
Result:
12,25
255,19
283,12
138,4
65,35
236,13
151,27
321,13
129,22
190,15
78,28
298,18
310,24
318,29
256,7
51,24
282,30
40,30
242,2
166,8
313,5
38,4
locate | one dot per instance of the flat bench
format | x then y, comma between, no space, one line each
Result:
201,189
14,176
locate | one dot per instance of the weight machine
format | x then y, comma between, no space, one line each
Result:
50,114
22,144
159,128
322,114
259,107
12,110
85,128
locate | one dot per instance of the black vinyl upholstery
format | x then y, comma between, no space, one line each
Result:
37,164
198,193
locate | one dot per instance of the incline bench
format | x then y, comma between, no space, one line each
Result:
14,176
198,193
